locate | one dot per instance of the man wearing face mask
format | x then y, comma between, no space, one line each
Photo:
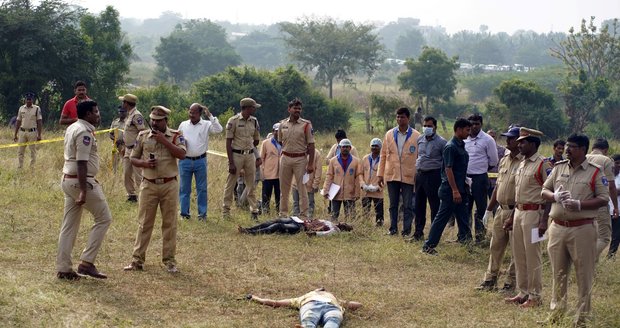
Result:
428,175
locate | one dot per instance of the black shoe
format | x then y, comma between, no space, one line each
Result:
418,237
202,218
255,216
379,223
429,251
507,288
89,269
71,275
487,285
392,233
186,217
132,198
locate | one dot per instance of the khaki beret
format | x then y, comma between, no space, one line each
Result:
249,102
159,112
525,132
129,98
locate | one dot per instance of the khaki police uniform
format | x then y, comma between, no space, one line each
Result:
243,133
312,186
573,234
28,132
603,218
159,186
81,145
118,150
505,195
295,138
530,206
134,123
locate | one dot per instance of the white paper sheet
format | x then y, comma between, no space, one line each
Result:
333,191
306,178
536,238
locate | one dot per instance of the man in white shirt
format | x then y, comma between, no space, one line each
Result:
196,133
482,151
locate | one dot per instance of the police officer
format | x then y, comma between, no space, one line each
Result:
116,135
297,138
157,151
28,129
504,198
530,212
134,123
577,188
242,137
82,191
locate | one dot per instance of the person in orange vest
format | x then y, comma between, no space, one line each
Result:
371,192
345,171
397,169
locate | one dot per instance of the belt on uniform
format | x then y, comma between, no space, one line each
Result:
573,223
160,180
529,207
506,207
476,175
72,176
285,153
28,130
197,157
428,171
243,152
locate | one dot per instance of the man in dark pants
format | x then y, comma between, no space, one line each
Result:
482,152
452,192
428,177
615,222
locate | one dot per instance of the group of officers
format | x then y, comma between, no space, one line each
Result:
567,199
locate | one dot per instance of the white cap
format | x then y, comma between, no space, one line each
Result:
345,142
376,142
276,126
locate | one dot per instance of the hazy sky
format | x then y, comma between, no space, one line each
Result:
454,15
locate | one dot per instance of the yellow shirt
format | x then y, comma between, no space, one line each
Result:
320,296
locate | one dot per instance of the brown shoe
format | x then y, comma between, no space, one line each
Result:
134,266
71,275
172,268
531,303
516,300
89,269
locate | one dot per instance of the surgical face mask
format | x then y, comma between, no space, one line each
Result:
428,131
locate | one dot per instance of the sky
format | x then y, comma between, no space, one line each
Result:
454,15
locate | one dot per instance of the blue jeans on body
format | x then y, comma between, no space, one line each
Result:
447,207
395,190
314,313
198,169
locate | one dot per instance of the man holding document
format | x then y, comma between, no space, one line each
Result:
577,188
343,173
531,212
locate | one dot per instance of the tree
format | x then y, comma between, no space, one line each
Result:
592,59
385,108
409,45
432,76
332,50
261,50
195,49
529,105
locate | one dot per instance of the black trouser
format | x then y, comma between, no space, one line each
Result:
269,186
367,202
349,208
615,237
426,188
396,189
479,189
285,226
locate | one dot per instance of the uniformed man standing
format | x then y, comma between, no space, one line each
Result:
577,188
116,135
530,212
157,151
503,198
297,138
82,191
134,123
242,137
28,129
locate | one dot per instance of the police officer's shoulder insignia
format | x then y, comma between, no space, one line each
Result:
549,170
605,181
86,140
139,120
564,161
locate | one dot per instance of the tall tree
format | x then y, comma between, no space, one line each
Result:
592,58
432,76
409,45
261,50
334,51
384,108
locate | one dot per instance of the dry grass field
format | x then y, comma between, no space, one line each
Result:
399,286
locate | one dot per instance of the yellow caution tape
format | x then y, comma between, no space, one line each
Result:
44,141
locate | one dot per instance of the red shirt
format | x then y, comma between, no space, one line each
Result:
70,108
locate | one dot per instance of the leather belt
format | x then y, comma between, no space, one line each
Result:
506,207
529,207
28,130
285,153
71,176
197,157
573,223
428,171
243,152
160,180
